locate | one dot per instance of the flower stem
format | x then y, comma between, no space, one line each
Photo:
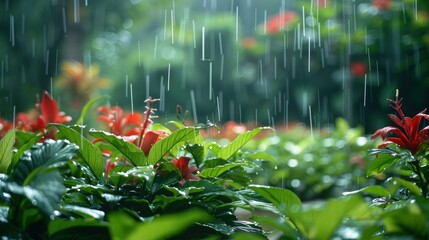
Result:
422,181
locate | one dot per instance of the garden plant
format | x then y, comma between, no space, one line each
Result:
133,178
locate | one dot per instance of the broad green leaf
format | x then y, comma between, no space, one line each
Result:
374,190
167,226
83,229
6,147
90,153
284,199
160,148
198,152
44,191
219,170
120,225
50,153
23,148
409,185
321,222
83,212
262,156
229,150
129,150
167,174
88,106
380,163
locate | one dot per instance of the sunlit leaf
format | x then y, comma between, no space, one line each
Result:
229,150
90,153
129,150
88,106
160,148
6,147
198,152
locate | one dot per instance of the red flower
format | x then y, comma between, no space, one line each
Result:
407,136
279,22
382,4
132,127
358,69
186,171
33,121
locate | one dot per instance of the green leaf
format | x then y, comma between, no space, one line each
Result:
167,174
49,154
321,222
15,159
121,224
375,190
88,106
82,212
6,147
129,150
284,199
90,153
229,150
160,148
380,163
167,226
198,152
77,229
409,185
219,170
44,191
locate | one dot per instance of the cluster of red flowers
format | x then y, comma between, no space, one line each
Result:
134,127
36,120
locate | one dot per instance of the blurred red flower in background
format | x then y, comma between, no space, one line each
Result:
382,4
278,22
358,69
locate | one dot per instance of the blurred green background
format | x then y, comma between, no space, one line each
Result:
270,62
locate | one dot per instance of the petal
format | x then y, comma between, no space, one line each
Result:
383,132
49,108
396,120
149,140
134,119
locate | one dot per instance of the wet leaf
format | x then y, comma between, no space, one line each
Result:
375,190
166,226
129,150
160,148
49,153
284,199
90,153
229,150
6,147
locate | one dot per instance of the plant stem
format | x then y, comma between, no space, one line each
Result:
422,182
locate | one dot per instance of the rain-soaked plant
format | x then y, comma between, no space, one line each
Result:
404,145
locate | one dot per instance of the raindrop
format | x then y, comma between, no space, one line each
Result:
155,47
147,86
76,11
131,98
12,30
203,33
168,77
126,86
236,23
172,26
194,106
64,21
210,81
